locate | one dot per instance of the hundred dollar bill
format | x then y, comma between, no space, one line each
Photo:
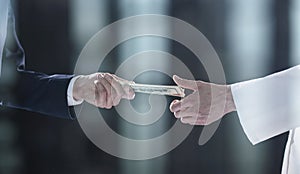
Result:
158,89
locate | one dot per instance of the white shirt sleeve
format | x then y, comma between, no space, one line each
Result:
269,106
71,100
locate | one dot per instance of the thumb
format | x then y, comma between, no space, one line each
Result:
129,92
184,83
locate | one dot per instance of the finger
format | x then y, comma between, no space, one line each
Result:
117,91
100,94
194,120
188,120
175,106
188,84
108,88
171,105
115,97
115,84
125,84
188,112
122,80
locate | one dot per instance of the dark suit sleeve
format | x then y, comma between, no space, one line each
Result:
34,91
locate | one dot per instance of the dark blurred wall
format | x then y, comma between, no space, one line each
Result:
43,30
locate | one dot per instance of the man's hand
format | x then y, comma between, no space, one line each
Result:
199,108
103,90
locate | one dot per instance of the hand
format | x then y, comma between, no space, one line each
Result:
191,111
103,90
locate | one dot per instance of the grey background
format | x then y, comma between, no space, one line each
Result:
250,44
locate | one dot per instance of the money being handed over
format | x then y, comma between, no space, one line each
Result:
158,89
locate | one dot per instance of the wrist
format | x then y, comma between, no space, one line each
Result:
230,105
77,88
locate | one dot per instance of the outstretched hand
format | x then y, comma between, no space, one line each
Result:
208,103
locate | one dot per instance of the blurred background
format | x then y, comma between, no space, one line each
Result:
253,38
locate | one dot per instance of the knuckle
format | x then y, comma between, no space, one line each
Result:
100,76
108,77
101,80
177,114
96,103
108,107
99,104
97,82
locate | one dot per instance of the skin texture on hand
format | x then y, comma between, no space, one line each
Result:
200,108
102,90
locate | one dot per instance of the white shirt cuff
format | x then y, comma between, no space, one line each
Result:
71,100
268,106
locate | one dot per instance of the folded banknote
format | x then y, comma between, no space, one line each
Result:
158,89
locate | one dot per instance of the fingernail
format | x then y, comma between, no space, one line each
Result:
176,76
